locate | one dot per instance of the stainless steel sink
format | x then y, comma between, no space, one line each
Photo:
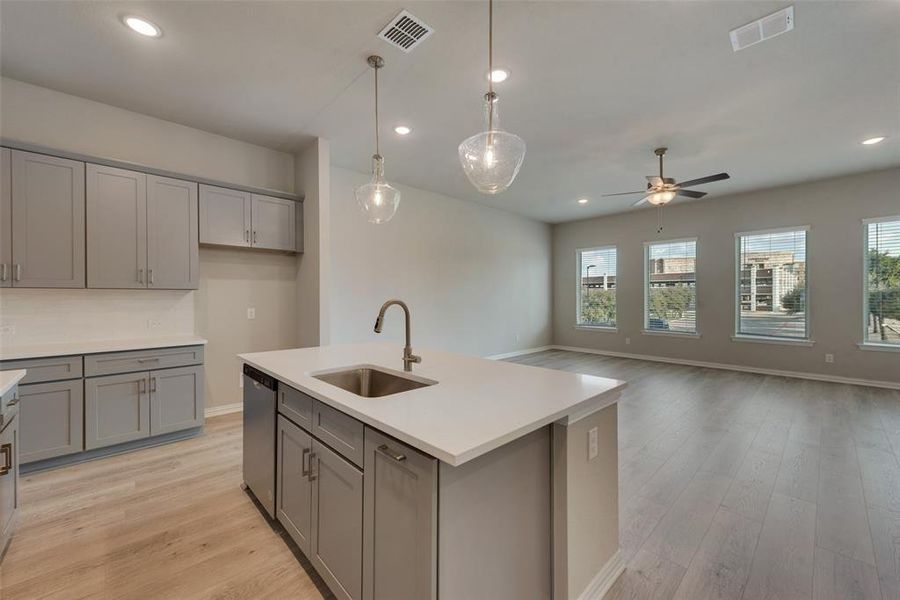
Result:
370,382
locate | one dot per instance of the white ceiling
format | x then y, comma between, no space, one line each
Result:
595,86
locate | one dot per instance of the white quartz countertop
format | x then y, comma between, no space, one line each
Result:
476,406
14,352
10,378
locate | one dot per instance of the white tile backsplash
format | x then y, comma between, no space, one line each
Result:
37,316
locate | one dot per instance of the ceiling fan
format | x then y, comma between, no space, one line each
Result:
661,190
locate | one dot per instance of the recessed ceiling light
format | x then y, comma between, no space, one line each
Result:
142,26
402,130
499,75
582,201
873,140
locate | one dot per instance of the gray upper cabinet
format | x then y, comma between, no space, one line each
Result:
176,399
117,228
400,521
51,418
116,409
5,218
274,223
293,503
224,216
48,221
172,234
141,230
336,532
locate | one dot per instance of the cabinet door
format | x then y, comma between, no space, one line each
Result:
274,223
5,218
9,476
224,216
47,221
51,419
116,409
336,535
117,228
293,502
173,252
400,521
176,399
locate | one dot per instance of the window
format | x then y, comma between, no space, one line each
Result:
771,284
597,287
670,286
882,283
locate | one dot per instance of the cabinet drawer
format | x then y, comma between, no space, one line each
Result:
46,369
342,433
296,406
141,360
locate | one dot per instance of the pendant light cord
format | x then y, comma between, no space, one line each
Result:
490,65
377,146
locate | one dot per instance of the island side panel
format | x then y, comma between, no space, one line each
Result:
494,523
585,506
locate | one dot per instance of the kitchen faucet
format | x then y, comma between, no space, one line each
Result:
408,357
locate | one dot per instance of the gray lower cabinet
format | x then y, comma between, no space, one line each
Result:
337,514
48,221
51,417
176,399
400,521
293,504
116,409
9,479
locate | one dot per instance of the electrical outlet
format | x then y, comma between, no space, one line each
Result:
152,323
251,313
593,443
627,341
829,358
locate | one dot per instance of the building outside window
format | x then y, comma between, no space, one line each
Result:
597,287
670,286
882,281
772,285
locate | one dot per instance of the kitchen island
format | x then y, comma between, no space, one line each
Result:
470,478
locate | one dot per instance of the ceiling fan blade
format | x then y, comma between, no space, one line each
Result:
702,180
625,193
689,193
641,201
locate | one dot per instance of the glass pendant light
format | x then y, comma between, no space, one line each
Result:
377,199
491,159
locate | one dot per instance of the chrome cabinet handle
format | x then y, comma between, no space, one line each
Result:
304,462
390,453
18,272
254,236
247,235
3,273
150,274
140,276
13,402
313,474
142,386
146,360
153,384
6,451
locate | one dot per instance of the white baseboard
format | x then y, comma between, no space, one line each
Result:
519,352
225,409
604,579
729,367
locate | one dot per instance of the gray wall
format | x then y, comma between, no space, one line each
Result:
477,280
833,209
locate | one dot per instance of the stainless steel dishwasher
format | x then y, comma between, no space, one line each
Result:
259,436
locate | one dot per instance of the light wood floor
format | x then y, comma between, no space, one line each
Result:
732,485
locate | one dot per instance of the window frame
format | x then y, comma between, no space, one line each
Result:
865,344
645,330
738,335
578,322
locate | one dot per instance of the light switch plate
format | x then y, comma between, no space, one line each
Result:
829,358
251,313
592,444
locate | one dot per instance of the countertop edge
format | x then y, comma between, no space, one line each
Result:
581,409
10,379
123,346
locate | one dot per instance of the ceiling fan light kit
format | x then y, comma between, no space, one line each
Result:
491,159
377,199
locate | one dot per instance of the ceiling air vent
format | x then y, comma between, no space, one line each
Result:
405,31
763,29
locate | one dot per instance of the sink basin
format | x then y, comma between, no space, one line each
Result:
371,382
